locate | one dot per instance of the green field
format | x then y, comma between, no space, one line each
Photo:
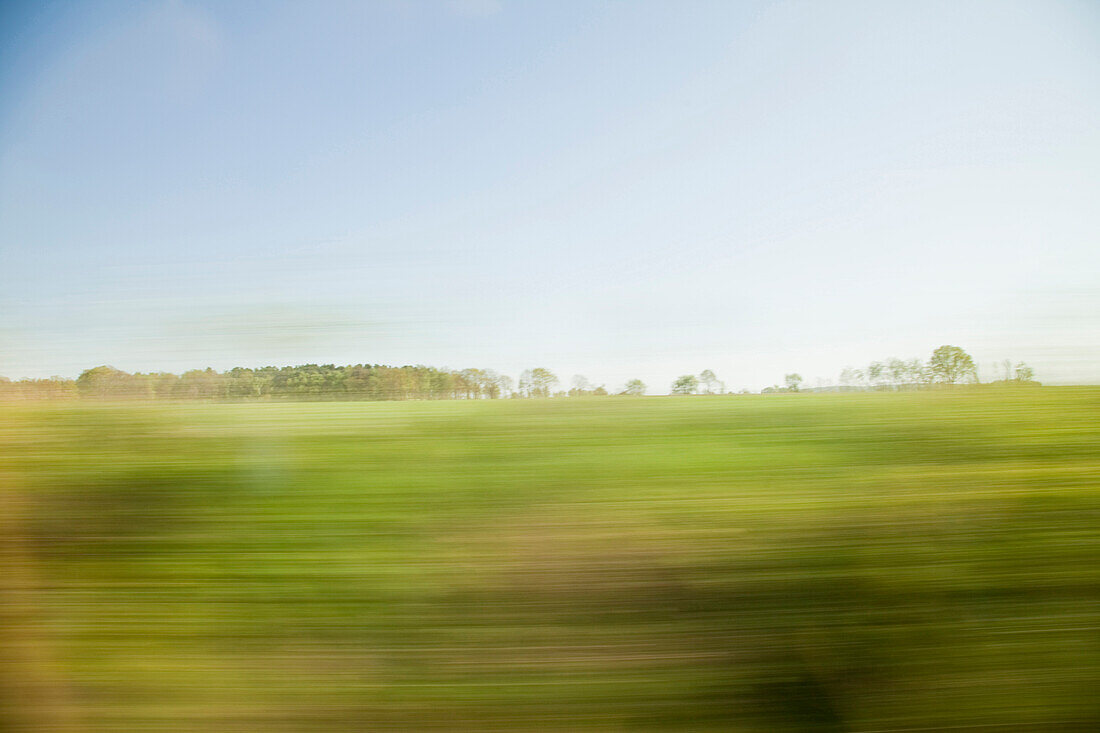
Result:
863,562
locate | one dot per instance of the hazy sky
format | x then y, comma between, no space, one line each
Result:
619,189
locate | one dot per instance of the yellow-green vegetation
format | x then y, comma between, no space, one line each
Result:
858,562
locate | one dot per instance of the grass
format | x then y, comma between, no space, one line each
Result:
863,562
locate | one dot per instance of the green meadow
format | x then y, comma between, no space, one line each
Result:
854,562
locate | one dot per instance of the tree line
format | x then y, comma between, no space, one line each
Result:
948,365
308,382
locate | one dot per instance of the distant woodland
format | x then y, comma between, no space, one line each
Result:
948,366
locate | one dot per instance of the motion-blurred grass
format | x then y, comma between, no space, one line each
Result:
864,562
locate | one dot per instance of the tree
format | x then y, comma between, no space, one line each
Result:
489,385
897,371
581,386
952,365
537,382
709,380
471,381
635,387
686,384
207,384
239,382
525,384
792,381
1024,373
105,381
916,372
850,377
875,371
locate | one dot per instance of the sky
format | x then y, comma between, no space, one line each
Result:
615,189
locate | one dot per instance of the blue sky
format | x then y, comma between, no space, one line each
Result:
617,189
